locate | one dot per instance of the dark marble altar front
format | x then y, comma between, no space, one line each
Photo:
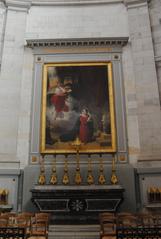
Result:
76,204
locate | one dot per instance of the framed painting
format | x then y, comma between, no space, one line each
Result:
77,102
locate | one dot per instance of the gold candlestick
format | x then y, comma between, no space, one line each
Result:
114,179
4,196
101,179
78,177
77,143
90,178
42,178
53,179
65,179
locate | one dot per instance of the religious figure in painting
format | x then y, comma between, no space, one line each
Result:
85,130
59,100
76,107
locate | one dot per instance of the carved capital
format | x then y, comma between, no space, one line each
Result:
18,4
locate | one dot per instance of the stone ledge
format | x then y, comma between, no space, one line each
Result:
72,2
131,2
10,172
148,170
135,3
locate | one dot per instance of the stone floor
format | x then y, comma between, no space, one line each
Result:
74,231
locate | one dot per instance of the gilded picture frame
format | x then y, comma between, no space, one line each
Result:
77,102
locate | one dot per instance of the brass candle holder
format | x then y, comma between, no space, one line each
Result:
154,194
101,179
65,179
78,178
54,179
4,196
42,178
90,178
114,179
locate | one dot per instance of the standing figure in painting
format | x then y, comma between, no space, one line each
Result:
85,130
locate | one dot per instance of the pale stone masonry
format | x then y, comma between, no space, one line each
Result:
146,85
137,20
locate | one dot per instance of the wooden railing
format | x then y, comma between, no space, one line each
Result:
23,225
128,225
12,232
138,232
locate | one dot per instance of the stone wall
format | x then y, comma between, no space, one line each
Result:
83,21
140,81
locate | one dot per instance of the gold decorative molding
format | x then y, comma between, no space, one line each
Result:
78,178
122,158
114,179
42,178
65,179
34,159
101,178
53,179
90,178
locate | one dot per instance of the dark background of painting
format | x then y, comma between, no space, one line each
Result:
90,86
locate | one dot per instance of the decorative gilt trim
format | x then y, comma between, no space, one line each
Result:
95,42
72,2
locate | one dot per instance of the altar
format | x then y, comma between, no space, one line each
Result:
76,204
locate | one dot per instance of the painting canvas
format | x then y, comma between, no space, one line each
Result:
77,102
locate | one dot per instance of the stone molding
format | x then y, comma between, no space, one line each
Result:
57,43
135,3
18,4
158,60
72,2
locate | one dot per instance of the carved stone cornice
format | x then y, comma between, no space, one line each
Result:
57,43
72,2
18,4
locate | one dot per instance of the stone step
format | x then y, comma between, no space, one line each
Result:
74,228
74,231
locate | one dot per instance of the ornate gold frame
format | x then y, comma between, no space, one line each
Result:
68,148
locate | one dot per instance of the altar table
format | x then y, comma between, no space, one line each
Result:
77,203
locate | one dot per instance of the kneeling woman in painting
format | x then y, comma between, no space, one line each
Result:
85,134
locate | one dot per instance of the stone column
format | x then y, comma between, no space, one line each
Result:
11,76
146,86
